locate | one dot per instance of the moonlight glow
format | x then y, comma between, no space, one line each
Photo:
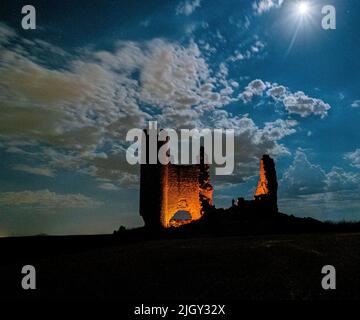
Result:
303,8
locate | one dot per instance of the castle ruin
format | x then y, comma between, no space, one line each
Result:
166,190
265,197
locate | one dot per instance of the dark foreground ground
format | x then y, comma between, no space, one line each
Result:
192,269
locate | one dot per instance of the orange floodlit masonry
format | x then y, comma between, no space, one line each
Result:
166,190
263,185
267,186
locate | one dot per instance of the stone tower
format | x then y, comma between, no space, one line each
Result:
267,186
168,189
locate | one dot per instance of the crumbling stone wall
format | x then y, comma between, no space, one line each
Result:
268,185
167,189
181,192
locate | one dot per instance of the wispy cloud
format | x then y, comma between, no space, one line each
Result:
46,199
108,186
354,158
356,104
188,7
37,171
265,5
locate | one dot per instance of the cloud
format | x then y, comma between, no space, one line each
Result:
253,50
187,7
46,199
356,104
306,189
37,171
254,88
6,34
108,186
302,177
81,110
251,142
178,77
276,92
301,104
295,103
279,129
305,178
265,5
354,158
77,116
338,179
335,206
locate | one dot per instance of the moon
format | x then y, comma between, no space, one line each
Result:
303,8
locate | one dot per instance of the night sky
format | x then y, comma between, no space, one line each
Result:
71,89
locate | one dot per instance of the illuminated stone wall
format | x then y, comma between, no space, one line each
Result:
262,188
167,189
181,192
267,186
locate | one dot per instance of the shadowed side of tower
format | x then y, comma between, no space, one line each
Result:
151,189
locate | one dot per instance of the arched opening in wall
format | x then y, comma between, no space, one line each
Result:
180,218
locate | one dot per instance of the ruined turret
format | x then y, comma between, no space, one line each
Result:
267,186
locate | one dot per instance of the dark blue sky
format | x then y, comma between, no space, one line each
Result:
71,89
